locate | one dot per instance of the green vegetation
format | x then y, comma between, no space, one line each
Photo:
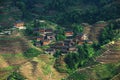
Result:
77,28
57,54
39,78
98,72
110,33
76,60
69,14
9,68
37,24
78,76
61,34
29,29
31,52
63,12
46,69
60,37
60,65
16,76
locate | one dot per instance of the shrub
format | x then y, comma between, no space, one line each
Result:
31,52
16,76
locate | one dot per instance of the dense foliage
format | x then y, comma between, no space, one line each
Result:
16,76
66,12
100,72
60,36
31,53
76,60
57,54
110,33
77,28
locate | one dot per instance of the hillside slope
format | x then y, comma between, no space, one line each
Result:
41,68
112,54
108,67
63,12
12,45
12,59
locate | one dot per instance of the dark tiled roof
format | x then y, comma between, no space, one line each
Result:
50,49
50,34
19,21
48,30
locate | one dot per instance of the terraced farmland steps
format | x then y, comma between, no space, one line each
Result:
111,55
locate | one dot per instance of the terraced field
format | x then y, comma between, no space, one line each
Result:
12,45
12,59
111,55
117,77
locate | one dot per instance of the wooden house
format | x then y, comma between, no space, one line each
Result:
36,30
89,42
69,33
60,43
80,42
42,30
84,37
50,36
19,25
45,42
72,49
69,42
40,38
64,51
81,37
48,31
78,37
37,44
50,51
64,47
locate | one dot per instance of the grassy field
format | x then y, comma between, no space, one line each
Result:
98,72
41,67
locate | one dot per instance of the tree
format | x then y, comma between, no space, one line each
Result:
57,54
77,28
60,36
76,60
89,50
31,52
72,60
108,34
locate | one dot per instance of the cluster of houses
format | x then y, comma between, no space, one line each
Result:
48,37
69,44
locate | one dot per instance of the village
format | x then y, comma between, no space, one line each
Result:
47,40
47,37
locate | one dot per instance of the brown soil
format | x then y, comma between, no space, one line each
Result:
12,45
